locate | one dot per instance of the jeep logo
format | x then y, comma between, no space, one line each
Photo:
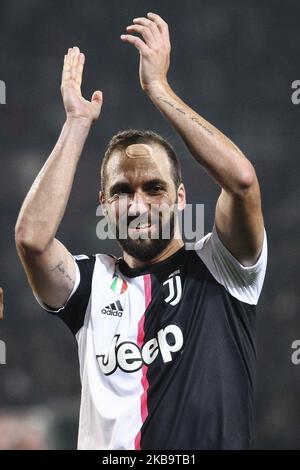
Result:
130,358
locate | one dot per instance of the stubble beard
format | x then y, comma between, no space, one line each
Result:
146,249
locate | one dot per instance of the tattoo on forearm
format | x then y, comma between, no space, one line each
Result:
181,111
160,98
60,267
196,120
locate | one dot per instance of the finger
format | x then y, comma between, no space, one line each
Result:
68,57
161,24
137,42
71,59
80,66
144,31
75,57
97,100
148,23
97,97
66,73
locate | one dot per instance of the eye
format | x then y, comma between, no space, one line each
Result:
120,191
156,187
121,196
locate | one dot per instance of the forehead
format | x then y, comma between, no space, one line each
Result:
156,165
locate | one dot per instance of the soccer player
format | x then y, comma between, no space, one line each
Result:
166,336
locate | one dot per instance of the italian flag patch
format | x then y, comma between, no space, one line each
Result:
118,285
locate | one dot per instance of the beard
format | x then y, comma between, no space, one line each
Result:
145,249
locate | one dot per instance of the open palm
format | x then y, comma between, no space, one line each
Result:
75,105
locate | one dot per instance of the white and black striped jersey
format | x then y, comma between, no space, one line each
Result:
167,353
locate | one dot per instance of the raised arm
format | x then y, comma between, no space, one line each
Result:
238,216
48,264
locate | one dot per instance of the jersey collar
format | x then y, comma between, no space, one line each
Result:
166,264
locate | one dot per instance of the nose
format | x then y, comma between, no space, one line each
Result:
137,204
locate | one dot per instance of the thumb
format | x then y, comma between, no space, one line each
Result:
96,101
97,97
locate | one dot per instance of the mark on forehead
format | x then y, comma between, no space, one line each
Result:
139,151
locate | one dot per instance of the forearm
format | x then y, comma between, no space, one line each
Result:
225,163
46,201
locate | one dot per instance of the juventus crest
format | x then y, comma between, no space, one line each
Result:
174,288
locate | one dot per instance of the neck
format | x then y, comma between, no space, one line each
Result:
173,246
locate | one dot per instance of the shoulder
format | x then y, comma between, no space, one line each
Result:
242,282
106,260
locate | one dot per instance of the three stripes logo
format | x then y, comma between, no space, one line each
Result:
115,309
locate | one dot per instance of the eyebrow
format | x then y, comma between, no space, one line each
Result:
124,186
118,187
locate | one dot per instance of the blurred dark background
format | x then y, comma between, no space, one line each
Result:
234,63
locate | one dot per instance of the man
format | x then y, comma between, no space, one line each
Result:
166,336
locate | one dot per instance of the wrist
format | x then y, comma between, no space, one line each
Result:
156,87
78,122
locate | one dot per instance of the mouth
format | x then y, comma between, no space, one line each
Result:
143,230
140,227
143,226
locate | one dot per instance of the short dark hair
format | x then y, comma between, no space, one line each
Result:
123,139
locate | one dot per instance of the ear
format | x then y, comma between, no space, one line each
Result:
181,197
101,197
102,202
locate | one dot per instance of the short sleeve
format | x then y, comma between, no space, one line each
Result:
73,312
242,282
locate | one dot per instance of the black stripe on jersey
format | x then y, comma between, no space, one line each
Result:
203,398
74,312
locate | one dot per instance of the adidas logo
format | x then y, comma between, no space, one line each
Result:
115,309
